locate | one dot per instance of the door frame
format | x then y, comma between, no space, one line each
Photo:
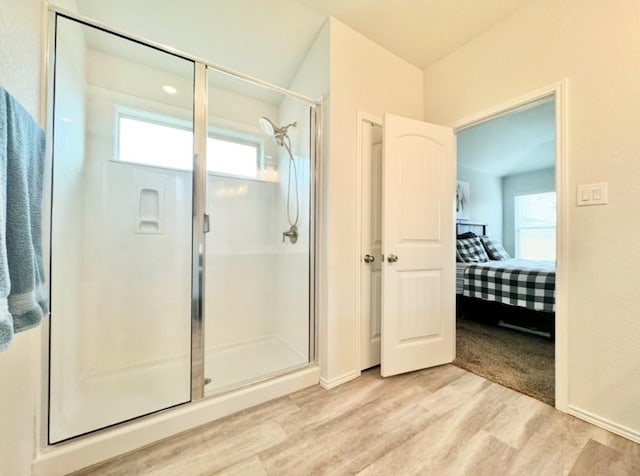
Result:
363,117
559,91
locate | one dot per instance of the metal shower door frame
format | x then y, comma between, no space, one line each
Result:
199,190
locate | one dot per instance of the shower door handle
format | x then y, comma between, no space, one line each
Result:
206,228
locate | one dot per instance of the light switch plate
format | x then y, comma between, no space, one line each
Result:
592,194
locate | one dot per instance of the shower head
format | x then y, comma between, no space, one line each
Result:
278,133
267,126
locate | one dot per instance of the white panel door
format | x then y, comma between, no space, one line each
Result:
371,246
418,275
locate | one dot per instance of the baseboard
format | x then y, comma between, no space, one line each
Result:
608,425
334,382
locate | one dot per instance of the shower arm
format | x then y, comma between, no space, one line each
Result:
281,133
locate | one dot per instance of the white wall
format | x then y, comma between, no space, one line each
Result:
485,200
364,77
595,45
519,184
21,58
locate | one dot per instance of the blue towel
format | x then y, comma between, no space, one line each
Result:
22,152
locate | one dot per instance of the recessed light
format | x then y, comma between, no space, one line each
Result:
167,88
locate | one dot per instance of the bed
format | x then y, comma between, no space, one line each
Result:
509,292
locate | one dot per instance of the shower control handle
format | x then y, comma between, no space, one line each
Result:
369,258
392,258
292,234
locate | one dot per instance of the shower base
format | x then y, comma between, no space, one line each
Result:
234,365
111,397
107,398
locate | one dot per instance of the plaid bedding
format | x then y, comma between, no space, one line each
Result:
516,282
460,267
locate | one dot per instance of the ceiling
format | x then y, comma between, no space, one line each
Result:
420,31
517,142
269,40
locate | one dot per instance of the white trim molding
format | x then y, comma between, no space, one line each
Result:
328,384
604,423
559,91
563,197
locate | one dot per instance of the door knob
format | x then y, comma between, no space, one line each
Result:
392,258
369,259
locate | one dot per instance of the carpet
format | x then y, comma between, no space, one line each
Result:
514,359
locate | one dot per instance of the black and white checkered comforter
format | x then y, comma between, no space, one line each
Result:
515,282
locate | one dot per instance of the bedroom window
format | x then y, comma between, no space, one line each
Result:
159,141
536,226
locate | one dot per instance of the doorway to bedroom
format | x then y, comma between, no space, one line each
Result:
506,221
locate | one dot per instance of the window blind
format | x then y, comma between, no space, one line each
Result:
536,210
536,226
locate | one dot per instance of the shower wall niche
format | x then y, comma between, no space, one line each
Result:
122,234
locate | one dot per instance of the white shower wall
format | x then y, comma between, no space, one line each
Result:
137,286
240,262
241,284
291,314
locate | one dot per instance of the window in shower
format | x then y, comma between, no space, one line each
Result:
160,141
232,157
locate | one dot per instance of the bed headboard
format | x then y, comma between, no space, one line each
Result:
477,228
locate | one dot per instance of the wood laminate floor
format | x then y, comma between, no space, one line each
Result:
441,421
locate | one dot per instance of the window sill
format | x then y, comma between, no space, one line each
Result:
267,176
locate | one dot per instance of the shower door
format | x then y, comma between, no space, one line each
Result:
259,276
121,235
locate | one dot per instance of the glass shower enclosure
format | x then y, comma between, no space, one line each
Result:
182,252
